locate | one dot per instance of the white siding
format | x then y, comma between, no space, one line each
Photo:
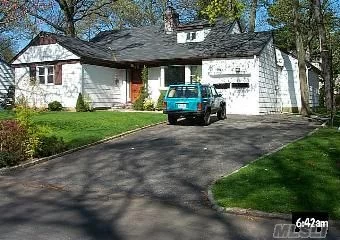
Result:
154,82
288,81
6,77
269,101
239,101
39,95
288,75
45,53
105,87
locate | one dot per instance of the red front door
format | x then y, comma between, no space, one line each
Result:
136,84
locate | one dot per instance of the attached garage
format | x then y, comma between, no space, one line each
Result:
249,83
236,80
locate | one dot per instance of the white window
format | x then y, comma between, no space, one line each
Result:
45,74
195,73
191,36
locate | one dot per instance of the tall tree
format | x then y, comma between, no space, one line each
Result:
134,13
252,16
325,54
64,15
227,9
230,10
10,13
301,54
292,18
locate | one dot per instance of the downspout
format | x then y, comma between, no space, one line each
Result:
82,79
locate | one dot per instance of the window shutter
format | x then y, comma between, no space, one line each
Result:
58,75
33,73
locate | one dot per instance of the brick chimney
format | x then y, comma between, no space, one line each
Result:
171,20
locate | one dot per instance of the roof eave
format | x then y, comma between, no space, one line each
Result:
35,39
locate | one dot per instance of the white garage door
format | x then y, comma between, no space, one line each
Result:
239,97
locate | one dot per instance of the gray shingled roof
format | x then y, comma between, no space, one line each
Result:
222,44
152,44
144,44
194,24
82,48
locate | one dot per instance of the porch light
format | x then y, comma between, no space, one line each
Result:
237,70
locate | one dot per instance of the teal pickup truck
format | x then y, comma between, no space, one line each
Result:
193,101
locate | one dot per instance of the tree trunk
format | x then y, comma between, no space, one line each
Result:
326,59
252,17
304,91
70,28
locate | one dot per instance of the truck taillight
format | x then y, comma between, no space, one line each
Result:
199,106
164,105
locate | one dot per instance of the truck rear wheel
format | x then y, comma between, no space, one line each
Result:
172,119
205,120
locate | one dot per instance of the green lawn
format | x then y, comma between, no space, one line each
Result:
77,128
304,176
4,114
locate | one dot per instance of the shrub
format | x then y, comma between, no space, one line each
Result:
83,105
21,101
148,104
55,106
160,100
143,91
24,116
13,143
139,103
88,104
49,145
80,106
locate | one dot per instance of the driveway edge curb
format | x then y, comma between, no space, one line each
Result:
250,212
45,159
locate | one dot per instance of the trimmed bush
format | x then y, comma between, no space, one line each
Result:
55,106
160,100
83,105
49,145
13,143
149,104
139,103
80,106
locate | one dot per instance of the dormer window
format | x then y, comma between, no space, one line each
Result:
191,36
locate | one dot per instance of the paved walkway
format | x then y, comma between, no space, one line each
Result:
149,185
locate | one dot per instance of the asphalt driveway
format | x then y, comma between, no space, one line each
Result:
149,185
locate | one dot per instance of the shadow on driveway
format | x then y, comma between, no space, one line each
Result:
150,185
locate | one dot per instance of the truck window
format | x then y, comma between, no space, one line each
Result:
205,92
183,92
